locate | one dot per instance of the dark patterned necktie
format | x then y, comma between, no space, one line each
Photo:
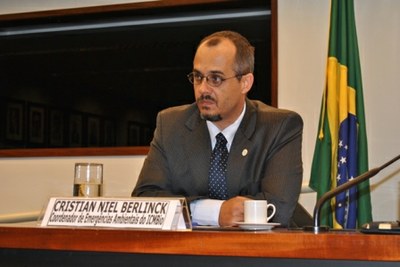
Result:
217,186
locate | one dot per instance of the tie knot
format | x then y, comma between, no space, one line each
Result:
221,140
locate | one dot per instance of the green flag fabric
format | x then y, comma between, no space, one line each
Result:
341,152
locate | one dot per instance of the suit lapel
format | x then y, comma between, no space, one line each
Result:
240,149
198,145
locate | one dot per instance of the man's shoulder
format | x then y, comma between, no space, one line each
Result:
177,118
181,110
262,108
264,120
180,115
267,115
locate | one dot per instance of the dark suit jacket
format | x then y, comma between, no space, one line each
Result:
179,157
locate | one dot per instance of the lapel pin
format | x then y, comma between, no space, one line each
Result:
244,152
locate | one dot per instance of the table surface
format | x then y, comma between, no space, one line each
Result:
278,243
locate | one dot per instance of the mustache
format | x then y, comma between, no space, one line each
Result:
205,97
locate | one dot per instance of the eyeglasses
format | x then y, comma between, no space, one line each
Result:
212,79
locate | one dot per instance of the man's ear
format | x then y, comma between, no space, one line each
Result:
247,82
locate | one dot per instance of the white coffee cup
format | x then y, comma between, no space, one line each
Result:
256,211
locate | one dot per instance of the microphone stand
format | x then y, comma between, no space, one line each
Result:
317,228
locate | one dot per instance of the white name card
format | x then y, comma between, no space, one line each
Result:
144,213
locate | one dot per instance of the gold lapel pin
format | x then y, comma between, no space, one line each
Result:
244,152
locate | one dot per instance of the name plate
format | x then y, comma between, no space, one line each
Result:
141,213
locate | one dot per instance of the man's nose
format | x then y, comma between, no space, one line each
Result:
203,86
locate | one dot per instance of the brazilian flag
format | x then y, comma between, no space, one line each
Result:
341,152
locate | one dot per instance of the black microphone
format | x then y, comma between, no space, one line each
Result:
317,228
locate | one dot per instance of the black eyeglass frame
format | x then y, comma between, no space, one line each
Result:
209,81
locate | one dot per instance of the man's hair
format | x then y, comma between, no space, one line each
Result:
244,58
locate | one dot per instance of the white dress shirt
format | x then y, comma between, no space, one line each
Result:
206,211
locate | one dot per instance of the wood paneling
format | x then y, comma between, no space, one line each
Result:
271,244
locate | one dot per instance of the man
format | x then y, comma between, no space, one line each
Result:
264,143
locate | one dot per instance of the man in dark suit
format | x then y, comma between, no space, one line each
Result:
264,143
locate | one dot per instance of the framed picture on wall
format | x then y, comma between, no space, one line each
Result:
75,128
133,134
93,131
56,128
109,133
15,121
36,124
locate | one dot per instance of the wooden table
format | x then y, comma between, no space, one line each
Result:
226,248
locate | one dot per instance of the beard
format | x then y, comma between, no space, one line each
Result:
211,117
203,112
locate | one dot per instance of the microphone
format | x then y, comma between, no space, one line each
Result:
317,228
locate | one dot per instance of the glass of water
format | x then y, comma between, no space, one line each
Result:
88,180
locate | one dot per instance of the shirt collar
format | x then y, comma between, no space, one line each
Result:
229,132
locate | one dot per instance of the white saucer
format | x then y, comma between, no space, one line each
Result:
257,226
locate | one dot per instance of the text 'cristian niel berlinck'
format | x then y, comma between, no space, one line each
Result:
107,212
